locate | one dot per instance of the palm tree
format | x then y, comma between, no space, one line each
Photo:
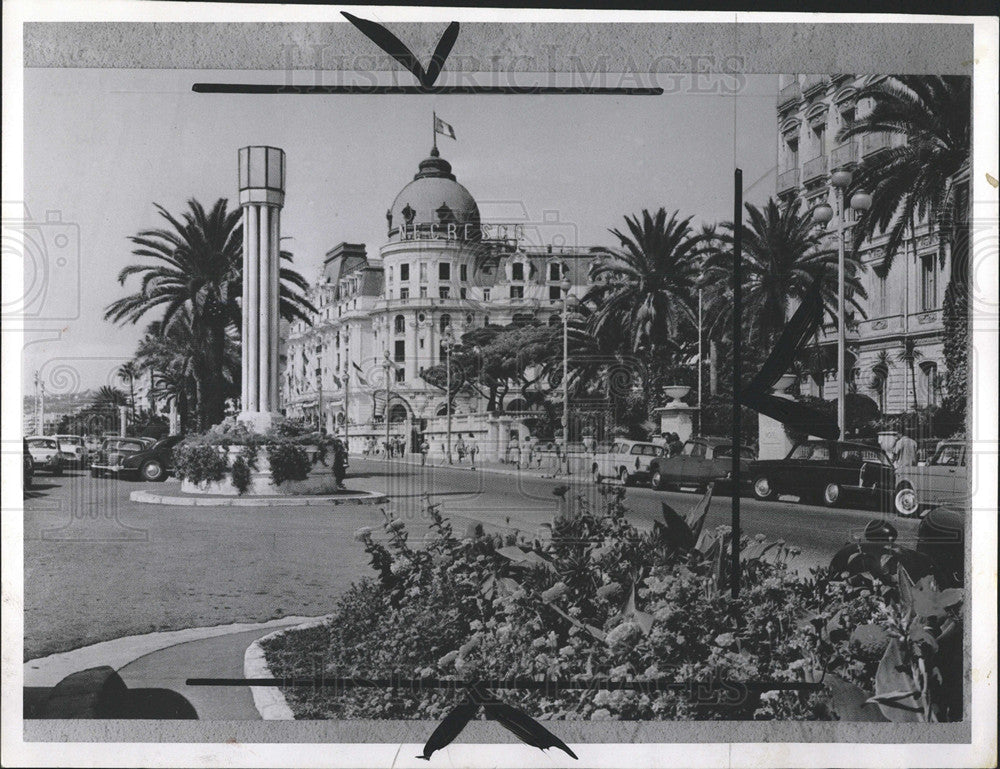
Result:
197,266
925,176
129,372
643,290
909,355
781,256
110,397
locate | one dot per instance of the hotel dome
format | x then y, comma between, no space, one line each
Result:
433,197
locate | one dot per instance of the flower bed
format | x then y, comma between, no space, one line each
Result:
601,600
230,458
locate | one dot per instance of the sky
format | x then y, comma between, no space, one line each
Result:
102,146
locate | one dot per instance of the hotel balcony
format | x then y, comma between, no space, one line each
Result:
844,156
814,169
814,84
790,95
875,142
788,181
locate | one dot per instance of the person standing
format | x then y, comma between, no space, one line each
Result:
904,452
460,450
472,454
339,463
424,448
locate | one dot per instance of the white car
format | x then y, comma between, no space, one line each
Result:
626,460
45,454
941,481
73,444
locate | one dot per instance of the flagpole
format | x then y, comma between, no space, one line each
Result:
347,391
737,371
434,129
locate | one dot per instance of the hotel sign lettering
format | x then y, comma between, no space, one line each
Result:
467,231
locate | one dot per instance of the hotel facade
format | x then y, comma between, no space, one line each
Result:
907,302
384,318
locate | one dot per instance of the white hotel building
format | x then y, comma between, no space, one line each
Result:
440,267
811,110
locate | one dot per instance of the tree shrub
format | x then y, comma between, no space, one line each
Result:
596,599
289,462
199,462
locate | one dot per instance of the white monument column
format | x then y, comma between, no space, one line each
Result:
262,194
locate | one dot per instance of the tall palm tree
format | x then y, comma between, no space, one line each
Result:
781,256
643,289
110,397
909,355
129,372
197,265
926,175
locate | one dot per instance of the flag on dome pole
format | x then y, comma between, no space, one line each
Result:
361,377
440,127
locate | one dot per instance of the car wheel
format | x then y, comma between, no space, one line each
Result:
624,477
153,471
656,479
762,488
831,494
906,503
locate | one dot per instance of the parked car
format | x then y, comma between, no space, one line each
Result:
153,463
828,473
626,460
73,444
29,466
113,451
942,480
45,454
703,460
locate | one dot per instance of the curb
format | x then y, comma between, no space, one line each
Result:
550,476
270,700
119,652
354,498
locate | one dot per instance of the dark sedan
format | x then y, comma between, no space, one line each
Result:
112,454
828,473
154,462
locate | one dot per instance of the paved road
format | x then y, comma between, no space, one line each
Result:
523,502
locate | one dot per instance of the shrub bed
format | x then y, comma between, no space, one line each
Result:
601,600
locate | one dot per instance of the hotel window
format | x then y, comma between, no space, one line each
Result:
517,292
486,295
404,273
404,293
423,272
931,383
517,271
463,272
400,351
390,275
443,292
555,271
401,376
819,133
445,321
399,324
792,142
461,293
444,271
928,282
423,292
555,292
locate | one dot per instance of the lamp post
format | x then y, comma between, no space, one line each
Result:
347,389
823,213
447,342
387,367
565,285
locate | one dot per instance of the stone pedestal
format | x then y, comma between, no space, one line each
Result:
677,418
773,440
262,195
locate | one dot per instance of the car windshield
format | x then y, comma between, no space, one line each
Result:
71,440
950,454
124,446
42,443
811,451
726,452
863,454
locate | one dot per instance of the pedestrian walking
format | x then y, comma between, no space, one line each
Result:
424,448
904,452
339,463
472,455
460,450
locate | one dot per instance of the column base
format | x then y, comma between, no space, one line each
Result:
258,421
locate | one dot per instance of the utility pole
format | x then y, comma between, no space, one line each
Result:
347,389
737,379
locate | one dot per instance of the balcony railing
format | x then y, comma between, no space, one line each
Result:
789,95
843,156
815,168
874,142
787,181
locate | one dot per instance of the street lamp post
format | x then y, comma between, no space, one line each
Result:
387,367
447,342
565,285
823,213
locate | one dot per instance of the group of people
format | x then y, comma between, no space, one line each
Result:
674,444
394,447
